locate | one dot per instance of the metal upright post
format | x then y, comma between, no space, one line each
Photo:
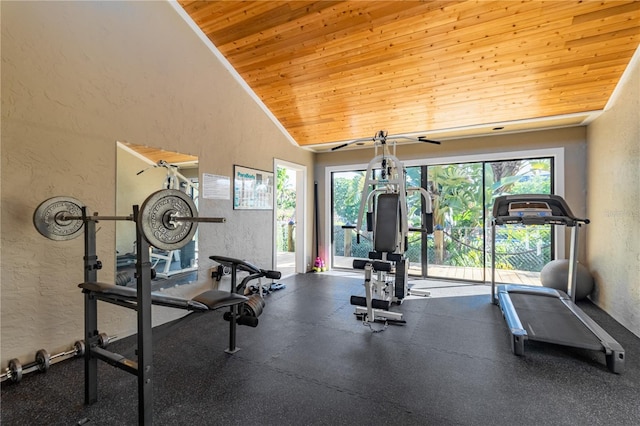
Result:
234,313
424,242
91,266
145,338
572,277
493,261
368,271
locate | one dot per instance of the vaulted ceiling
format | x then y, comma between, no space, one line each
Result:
333,71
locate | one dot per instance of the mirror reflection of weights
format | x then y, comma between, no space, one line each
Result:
142,170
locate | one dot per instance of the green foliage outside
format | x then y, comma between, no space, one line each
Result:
286,206
519,247
347,189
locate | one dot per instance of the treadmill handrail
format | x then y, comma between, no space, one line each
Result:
560,213
539,220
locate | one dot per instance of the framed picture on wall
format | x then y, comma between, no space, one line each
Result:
252,189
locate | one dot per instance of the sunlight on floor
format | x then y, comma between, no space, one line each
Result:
437,288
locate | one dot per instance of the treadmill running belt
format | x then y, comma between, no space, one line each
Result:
547,319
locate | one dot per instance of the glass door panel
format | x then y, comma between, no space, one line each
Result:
456,248
521,251
346,191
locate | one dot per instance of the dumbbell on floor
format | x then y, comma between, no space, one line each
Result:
43,361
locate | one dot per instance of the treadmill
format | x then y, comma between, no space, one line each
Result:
541,313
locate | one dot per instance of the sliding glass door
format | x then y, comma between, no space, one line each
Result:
463,195
463,202
456,249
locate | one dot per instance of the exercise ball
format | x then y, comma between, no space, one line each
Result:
555,275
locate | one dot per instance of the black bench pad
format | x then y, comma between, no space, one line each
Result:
209,300
377,265
216,299
391,257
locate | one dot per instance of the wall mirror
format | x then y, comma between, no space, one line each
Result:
142,170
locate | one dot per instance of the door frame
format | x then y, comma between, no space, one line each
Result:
301,214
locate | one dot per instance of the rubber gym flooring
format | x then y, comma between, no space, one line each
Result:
311,362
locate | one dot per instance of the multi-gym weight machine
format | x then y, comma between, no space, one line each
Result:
384,197
167,219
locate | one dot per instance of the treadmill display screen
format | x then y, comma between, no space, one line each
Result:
527,209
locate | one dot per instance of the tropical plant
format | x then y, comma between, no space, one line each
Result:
286,196
347,190
456,195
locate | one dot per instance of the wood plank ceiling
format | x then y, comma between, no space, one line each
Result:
334,71
154,155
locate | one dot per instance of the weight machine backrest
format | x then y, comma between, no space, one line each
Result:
386,224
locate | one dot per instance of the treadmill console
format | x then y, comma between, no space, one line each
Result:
533,209
529,209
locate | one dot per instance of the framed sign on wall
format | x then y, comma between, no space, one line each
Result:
252,189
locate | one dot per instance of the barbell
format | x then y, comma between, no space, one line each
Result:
168,219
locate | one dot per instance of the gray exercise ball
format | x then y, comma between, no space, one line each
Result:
555,274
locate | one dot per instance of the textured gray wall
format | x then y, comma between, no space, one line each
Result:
76,78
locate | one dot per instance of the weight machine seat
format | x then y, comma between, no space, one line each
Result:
208,301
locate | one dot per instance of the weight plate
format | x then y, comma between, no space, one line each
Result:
103,340
15,368
47,220
155,219
79,347
254,306
43,360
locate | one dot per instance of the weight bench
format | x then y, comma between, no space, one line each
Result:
127,297
210,300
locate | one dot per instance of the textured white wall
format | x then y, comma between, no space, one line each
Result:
613,242
76,78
